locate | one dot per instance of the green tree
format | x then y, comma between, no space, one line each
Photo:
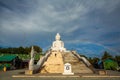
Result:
106,55
27,50
19,50
37,49
117,58
94,60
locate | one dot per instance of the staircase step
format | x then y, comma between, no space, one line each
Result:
77,65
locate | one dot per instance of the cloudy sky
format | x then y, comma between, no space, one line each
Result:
36,22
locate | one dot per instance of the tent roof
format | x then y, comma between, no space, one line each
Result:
109,60
7,58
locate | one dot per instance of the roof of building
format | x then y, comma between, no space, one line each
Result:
7,58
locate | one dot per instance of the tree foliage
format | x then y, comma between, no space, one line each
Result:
110,64
117,58
93,60
106,55
37,49
20,50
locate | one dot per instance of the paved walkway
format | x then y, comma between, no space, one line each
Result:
19,75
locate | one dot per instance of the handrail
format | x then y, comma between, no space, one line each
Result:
82,58
41,61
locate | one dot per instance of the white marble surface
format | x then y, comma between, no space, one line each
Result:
58,45
31,62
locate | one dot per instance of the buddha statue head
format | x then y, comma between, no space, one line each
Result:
57,37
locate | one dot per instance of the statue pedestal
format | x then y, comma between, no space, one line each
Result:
28,71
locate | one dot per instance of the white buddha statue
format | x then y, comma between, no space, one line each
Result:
58,45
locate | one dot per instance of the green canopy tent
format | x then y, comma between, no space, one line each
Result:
8,61
110,64
7,58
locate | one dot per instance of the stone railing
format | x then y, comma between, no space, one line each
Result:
41,61
81,58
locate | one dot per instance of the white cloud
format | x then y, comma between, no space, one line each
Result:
47,18
77,19
44,18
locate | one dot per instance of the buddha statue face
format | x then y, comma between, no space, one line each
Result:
57,37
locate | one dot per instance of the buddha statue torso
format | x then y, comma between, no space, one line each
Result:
58,44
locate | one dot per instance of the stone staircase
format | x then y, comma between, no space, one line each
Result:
53,64
78,66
